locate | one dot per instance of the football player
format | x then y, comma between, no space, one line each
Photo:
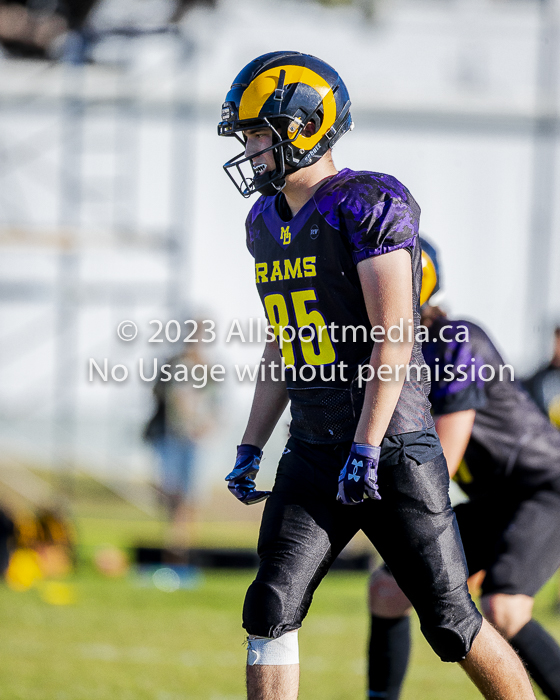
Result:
506,457
544,385
337,265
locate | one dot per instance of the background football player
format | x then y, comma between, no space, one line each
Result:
506,457
336,249
544,385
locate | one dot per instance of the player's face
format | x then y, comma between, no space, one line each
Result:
257,140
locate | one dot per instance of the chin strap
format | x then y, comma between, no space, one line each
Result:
269,189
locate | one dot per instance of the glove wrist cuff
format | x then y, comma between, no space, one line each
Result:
365,450
246,449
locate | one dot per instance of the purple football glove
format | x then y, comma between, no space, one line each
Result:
358,478
241,481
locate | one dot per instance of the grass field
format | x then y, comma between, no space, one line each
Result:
124,640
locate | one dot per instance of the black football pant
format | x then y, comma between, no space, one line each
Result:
413,528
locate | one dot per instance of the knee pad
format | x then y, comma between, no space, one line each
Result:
453,640
263,651
265,611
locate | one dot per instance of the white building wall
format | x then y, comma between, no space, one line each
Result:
443,95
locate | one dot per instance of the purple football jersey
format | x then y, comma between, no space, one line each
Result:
306,275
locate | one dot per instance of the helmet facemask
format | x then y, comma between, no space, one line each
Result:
248,179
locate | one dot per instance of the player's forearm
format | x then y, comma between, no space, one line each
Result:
386,282
269,401
381,395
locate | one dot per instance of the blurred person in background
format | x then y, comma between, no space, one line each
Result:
37,28
544,385
506,457
338,249
69,29
185,413
7,531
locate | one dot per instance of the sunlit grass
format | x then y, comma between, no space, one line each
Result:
123,640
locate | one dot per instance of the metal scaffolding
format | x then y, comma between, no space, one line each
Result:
80,147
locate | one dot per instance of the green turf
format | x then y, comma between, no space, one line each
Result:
124,641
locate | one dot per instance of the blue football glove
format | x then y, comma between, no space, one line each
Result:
241,481
358,478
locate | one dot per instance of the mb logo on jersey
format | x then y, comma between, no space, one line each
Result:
314,232
285,235
356,466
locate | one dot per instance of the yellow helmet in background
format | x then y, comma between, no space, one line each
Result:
430,272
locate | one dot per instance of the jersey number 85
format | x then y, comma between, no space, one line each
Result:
311,328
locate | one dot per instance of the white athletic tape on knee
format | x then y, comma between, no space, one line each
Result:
263,651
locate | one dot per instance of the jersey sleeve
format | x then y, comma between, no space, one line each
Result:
378,216
455,386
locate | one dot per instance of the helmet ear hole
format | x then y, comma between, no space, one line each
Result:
309,129
314,123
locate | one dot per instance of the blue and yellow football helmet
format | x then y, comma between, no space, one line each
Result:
283,91
431,274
